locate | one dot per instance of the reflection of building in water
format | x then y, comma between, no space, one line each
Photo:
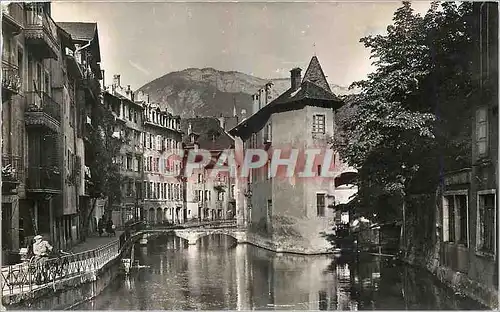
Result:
128,282
228,268
265,280
243,280
292,281
192,254
343,271
343,288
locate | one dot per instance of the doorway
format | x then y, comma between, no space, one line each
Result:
6,226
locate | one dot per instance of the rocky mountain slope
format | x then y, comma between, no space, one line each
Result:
210,92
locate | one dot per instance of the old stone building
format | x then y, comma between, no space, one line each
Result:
129,117
291,212
162,143
209,195
149,157
44,71
468,230
262,97
83,72
14,60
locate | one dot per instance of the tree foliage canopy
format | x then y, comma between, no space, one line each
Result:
106,177
411,117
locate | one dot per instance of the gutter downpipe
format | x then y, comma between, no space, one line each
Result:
83,47
74,143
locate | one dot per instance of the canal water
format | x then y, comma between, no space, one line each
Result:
219,274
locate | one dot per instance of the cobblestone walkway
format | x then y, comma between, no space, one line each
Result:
94,242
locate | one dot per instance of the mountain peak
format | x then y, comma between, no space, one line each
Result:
211,92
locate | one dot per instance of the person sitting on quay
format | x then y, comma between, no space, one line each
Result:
41,248
41,251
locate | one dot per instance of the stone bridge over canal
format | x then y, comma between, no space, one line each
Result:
197,231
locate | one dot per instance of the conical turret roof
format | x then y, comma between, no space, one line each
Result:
315,74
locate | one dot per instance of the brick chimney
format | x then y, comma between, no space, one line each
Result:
267,92
295,78
116,80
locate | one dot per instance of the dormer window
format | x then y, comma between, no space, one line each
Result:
213,135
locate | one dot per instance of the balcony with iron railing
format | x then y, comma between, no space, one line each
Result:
219,205
72,62
44,179
91,82
41,32
12,172
11,80
42,111
12,17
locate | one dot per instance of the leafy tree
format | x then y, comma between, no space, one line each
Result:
412,109
105,178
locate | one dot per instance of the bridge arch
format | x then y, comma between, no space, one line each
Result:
193,236
346,178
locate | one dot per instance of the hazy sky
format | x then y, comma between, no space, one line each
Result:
145,40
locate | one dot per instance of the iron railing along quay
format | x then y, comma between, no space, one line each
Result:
195,224
32,275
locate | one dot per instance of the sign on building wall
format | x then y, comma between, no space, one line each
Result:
457,178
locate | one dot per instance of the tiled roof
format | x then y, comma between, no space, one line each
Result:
205,127
79,31
307,90
84,32
314,90
314,74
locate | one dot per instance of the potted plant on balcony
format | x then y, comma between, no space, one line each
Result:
11,82
8,173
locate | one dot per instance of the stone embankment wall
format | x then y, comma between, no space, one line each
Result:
422,247
292,235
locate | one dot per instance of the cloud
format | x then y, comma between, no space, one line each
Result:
139,67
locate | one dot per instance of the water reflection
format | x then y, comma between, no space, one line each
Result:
219,274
